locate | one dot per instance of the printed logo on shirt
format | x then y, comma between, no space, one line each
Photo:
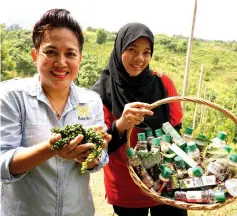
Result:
83,112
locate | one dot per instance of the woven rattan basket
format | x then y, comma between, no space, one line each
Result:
164,200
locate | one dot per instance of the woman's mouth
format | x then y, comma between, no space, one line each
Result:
60,74
136,67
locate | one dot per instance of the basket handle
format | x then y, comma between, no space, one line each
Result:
189,99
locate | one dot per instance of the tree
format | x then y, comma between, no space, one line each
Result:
101,36
89,72
13,27
91,29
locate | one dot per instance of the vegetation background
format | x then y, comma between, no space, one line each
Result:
219,81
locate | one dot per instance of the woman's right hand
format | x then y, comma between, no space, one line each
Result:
73,150
133,114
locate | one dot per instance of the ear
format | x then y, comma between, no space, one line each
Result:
80,58
34,55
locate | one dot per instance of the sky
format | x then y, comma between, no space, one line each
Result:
215,19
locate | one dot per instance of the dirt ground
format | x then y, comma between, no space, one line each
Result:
102,208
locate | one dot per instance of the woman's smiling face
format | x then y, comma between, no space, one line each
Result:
58,58
137,56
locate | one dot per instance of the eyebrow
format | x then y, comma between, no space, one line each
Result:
134,45
53,47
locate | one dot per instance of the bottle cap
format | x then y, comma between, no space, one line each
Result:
156,141
130,152
166,172
188,131
222,135
149,133
141,136
179,161
233,158
220,196
166,138
186,149
227,148
162,166
197,171
192,146
168,159
159,132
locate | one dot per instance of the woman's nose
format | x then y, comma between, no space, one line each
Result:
139,57
61,61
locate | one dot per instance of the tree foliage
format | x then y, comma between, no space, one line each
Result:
219,78
101,36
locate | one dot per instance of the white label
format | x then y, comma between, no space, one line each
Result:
209,180
183,155
194,196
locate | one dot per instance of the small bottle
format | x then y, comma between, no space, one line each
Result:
155,147
218,169
159,133
179,163
165,143
139,169
188,134
163,180
191,172
149,135
169,162
193,151
219,140
142,143
207,196
232,165
174,182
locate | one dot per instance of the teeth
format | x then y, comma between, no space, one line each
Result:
59,74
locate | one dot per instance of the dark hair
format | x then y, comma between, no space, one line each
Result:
56,18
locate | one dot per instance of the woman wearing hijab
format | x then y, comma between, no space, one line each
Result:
127,86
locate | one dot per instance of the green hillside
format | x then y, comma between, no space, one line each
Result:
218,57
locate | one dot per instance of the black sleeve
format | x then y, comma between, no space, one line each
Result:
117,139
178,127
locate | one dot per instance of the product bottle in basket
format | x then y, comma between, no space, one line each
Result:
193,151
149,135
190,172
141,143
159,133
219,140
155,147
165,143
207,196
180,167
231,164
187,136
139,169
163,180
169,160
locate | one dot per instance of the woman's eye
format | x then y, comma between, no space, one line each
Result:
50,52
71,54
131,49
147,53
